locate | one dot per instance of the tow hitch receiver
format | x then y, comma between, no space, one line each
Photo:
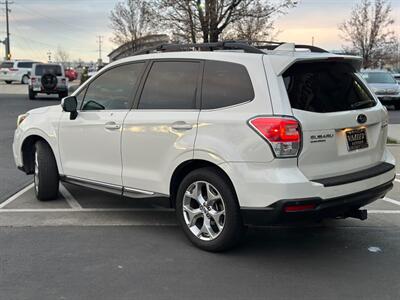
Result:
361,214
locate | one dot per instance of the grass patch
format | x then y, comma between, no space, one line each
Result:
392,141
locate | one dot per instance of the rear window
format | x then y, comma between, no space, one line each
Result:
7,65
378,77
225,84
48,69
326,87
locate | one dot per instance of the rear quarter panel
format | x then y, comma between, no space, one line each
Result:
224,135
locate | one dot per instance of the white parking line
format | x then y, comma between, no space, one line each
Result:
397,180
30,210
65,210
15,196
391,200
377,211
69,198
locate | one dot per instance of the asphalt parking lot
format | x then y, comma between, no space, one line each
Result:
92,245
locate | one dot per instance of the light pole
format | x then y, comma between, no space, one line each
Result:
7,40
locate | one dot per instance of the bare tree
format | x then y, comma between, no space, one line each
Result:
62,56
130,21
181,18
208,19
368,30
259,25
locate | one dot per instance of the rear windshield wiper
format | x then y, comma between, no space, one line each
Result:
360,103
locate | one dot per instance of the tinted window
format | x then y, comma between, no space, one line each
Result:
326,87
7,65
378,77
171,85
48,69
113,89
27,65
225,84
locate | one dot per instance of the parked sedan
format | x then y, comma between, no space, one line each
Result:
384,86
71,74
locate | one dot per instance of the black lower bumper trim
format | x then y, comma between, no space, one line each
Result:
356,176
329,208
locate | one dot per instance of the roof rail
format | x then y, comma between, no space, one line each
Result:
270,45
225,45
256,47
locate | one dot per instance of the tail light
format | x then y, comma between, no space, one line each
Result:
282,133
33,79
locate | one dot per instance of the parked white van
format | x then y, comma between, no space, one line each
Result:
16,71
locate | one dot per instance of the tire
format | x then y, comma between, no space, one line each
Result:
32,95
46,177
25,79
222,207
49,81
8,81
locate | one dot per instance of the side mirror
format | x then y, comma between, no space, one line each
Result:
70,104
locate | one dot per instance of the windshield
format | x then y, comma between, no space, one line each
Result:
326,87
48,69
378,77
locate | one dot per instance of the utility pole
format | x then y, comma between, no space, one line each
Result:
100,41
7,40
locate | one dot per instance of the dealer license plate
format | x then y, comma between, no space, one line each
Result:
357,139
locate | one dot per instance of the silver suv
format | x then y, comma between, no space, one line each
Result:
384,85
48,79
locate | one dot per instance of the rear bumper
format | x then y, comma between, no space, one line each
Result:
259,185
328,208
59,89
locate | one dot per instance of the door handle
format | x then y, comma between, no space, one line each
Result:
181,125
112,126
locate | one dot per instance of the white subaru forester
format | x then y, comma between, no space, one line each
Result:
233,135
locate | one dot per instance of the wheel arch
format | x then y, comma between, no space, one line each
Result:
188,166
28,151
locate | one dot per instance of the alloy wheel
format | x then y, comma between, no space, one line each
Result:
25,79
36,173
204,210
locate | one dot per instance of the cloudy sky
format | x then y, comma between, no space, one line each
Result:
40,26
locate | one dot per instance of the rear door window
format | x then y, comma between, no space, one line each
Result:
325,87
225,84
171,85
